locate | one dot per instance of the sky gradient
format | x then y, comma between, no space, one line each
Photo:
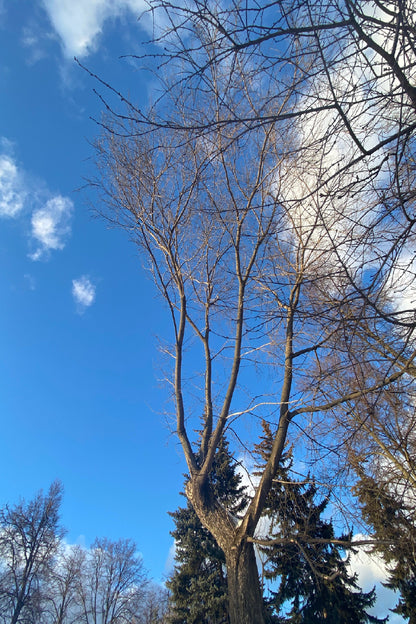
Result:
80,392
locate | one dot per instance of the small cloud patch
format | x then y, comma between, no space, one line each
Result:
22,195
83,291
34,44
51,226
79,24
12,195
30,281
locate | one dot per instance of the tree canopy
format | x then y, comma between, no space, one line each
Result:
270,190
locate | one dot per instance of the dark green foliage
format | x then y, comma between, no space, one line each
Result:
198,584
314,585
394,524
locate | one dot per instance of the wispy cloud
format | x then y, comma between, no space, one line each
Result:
33,39
79,23
83,291
30,281
170,560
51,226
12,193
22,196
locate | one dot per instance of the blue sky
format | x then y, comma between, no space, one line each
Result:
80,395
79,391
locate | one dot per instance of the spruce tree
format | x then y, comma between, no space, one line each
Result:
314,584
394,523
198,584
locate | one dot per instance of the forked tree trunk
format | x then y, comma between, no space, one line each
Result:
244,594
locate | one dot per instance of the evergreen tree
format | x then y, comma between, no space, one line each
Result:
198,584
315,586
394,524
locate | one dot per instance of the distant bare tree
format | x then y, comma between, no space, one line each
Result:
104,584
62,603
29,537
112,584
155,608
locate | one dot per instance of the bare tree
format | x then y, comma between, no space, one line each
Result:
112,584
62,603
262,262
29,539
361,60
155,608
45,581
104,584
342,72
271,192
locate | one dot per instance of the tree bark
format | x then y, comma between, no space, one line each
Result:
244,596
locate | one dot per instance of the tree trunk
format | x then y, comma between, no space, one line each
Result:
244,595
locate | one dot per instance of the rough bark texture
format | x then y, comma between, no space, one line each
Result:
244,594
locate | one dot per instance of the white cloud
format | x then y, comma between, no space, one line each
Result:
12,194
51,225
22,194
321,217
79,23
370,568
371,572
170,560
401,281
83,291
